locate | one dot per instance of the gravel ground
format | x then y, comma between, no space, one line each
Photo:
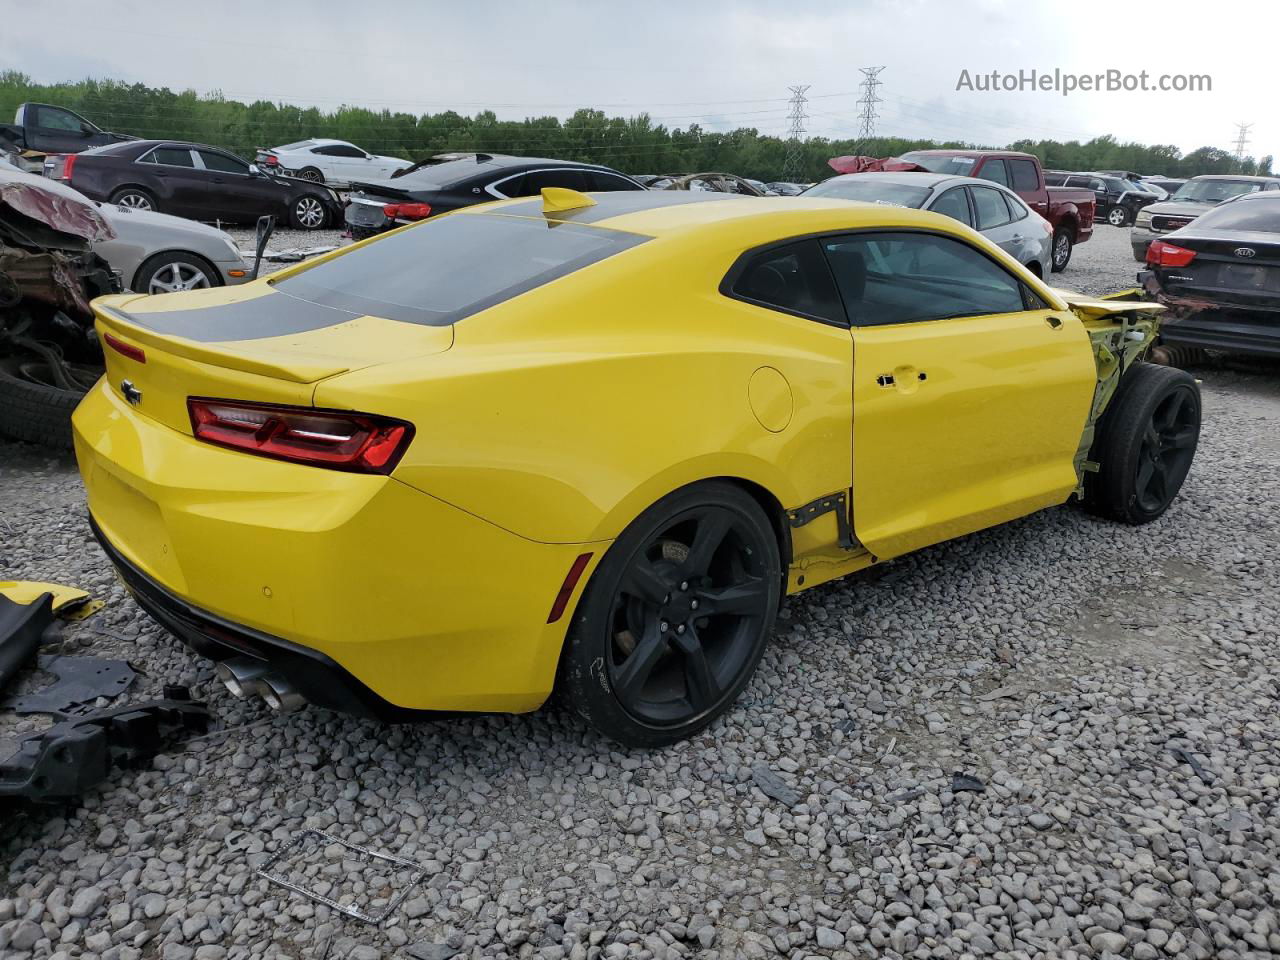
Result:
982,750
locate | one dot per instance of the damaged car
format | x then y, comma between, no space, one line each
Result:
1220,278
1196,196
248,450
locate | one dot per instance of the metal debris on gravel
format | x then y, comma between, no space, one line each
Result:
1091,839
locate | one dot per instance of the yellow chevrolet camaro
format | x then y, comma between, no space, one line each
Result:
587,443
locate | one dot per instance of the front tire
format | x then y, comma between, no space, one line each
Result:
308,213
172,272
675,618
1146,442
1063,240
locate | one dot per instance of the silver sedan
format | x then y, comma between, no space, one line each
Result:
997,213
157,253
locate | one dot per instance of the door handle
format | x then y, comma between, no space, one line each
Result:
1055,323
904,379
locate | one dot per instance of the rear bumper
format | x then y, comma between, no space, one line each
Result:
373,596
1220,330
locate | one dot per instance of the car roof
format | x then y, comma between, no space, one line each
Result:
744,220
915,178
1246,177
943,152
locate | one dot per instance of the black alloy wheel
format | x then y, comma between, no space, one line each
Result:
1168,447
676,617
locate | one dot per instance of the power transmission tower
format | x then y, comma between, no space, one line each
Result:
868,102
793,166
1242,138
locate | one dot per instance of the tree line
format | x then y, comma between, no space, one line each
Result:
631,144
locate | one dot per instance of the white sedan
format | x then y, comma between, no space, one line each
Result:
334,162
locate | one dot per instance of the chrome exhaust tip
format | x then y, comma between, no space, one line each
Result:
280,695
242,676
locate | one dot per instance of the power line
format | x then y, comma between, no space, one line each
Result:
793,166
1242,138
868,102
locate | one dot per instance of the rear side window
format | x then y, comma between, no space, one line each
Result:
1023,175
450,268
170,156
992,211
994,171
793,278
599,180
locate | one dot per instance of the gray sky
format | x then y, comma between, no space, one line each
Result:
721,64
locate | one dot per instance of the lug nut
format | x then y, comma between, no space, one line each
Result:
680,629
664,626
684,584
693,604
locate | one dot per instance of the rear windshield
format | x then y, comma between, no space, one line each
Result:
295,146
934,163
446,269
1262,214
875,191
441,176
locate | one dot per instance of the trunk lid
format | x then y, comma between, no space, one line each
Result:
242,343
1241,270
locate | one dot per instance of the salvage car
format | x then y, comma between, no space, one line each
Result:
382,205
1220,277
196,181
1118,199
40,129
998,214
555,473
1198,195
329,161
157,253
1070,210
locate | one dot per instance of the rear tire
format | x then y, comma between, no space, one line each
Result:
1063,241
311,174
32,408
135,198
1145,445
308,213
675,618
1118,217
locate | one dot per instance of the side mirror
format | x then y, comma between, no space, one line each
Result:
255,171
87,129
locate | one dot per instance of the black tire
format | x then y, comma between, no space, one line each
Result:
311,174
1145,444
1063,242
134,197
157,264
1118,217
32,410
708,545
301,216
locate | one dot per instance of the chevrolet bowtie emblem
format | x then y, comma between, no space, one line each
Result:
130,392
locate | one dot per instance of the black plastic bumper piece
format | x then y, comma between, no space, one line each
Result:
1232,332
22,627
319,678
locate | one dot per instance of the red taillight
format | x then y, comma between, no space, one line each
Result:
1161,254
68,164
271,161
566,590
356,442
407,211
126,349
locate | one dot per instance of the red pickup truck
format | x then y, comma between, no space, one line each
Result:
1068,209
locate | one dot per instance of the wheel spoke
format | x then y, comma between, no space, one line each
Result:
1168,417
645,583
1145,472
701,686
710,534
1181,439
629,679
739,598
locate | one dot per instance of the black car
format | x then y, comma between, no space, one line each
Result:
440,187
1220,277
1119,199
196,181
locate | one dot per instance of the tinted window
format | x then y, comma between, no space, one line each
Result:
222,163
1051,179
1261,214
793,278
1023,174
170,156
953,204
1098,185
50,118
994,171
338,150
446,269
1078,182
535,180
596,180
909,277
990,207
858,186
1017,209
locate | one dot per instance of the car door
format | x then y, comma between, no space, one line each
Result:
350,163
179,185
54,130
233,192
970,394
954,203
